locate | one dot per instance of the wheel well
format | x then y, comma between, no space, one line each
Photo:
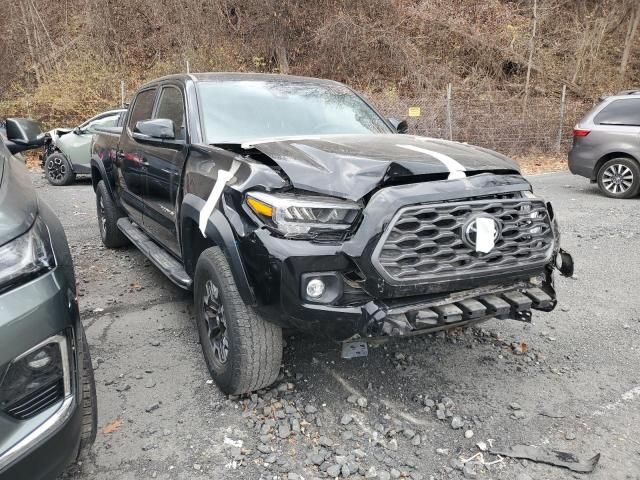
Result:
610,156
196,243
96,176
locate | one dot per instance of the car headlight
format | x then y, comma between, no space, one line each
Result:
303,215
36,379
27,256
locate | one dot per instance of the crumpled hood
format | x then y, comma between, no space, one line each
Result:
350,166
18,201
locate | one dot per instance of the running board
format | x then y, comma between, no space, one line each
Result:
167,264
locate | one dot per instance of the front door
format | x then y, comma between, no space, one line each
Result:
132,169
164,170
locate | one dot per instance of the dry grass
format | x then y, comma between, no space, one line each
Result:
542,162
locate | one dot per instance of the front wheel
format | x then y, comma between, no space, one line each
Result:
89,403
108,215
619,178
58,171
243,351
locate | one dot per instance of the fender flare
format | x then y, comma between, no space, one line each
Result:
220,232
103,174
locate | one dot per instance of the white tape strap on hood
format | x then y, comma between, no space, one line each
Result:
223,177
456,170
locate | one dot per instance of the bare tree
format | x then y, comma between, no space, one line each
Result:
532,46
632,29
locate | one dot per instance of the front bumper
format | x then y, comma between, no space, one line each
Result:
41,446
369,304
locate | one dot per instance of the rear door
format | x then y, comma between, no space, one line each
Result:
164,168
131,166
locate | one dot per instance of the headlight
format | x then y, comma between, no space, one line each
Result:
36,379
301,215
27,256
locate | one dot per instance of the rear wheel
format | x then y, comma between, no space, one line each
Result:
58,171
242,350
108,215
89,404
619,178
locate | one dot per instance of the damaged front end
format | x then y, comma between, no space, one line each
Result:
409,263
51,142
375,235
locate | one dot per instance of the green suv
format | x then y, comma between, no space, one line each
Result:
47,391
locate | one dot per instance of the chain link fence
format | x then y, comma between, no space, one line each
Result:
490,121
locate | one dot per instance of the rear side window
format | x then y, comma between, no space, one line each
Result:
142,108
620,112
171,106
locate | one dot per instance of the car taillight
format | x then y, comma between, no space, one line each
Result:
580,132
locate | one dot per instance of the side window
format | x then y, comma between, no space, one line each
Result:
142,108
620,112
171,106
109,121
121,119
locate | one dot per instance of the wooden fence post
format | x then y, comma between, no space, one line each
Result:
449,115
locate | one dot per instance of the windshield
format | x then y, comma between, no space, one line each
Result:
237,111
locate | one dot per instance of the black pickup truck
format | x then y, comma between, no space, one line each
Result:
289,202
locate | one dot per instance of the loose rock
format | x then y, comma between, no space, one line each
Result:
334,470
346,419
457,422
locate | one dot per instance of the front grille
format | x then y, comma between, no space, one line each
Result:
425,243
37,401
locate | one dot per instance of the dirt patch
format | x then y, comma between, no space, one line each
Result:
542,162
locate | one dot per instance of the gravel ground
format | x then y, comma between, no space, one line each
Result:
568,381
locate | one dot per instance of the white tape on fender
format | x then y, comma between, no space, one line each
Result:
223,177
456,170
485,234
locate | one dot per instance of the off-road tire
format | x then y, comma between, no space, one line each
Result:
89,403
626,165
108,215
254,345
58,170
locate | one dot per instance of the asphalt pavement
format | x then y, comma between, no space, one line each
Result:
569,381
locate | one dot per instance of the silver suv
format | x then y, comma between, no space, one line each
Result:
606,145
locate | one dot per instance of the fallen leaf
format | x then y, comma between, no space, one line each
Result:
112,426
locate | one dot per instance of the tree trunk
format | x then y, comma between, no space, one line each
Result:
27,34
283,61
632,29
531,49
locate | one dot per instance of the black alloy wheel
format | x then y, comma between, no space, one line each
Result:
213,313
58,171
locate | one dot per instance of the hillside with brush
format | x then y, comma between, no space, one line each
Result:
68,59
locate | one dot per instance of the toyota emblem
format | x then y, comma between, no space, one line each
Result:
470,231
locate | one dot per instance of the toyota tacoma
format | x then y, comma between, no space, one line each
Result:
290,202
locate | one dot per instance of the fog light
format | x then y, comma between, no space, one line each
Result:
41,359
537,280
315,288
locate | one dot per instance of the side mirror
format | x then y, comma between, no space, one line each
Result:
77,131
158,129
23,134
401,126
